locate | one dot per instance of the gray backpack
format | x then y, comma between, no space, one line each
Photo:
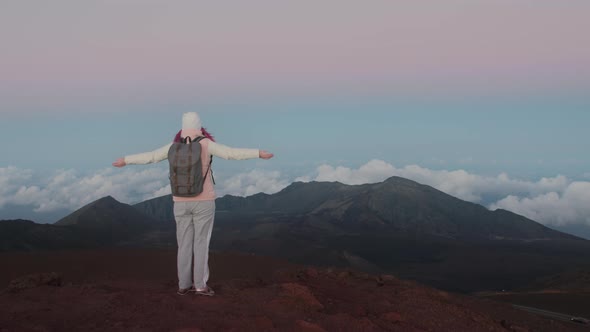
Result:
186,168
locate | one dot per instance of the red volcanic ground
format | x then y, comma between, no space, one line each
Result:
135,290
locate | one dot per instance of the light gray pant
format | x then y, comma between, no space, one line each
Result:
194,223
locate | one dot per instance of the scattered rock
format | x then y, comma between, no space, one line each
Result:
309,327
362,275
393,317
262,323
344,275
346,322
443,295
516,328
388,277
300,296
359,311
384,279
34,280
311,272
513,328
307,273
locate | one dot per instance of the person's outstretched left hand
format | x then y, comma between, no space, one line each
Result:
119,162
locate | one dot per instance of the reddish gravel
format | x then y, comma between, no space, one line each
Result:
135,290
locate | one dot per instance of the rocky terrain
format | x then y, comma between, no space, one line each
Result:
134,290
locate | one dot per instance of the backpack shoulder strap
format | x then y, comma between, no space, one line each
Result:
198,139
188,139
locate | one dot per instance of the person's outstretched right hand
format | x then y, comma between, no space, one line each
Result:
119,162
265,154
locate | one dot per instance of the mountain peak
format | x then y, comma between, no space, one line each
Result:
106,213
107,198
396,178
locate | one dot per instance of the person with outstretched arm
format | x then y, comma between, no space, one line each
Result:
194,212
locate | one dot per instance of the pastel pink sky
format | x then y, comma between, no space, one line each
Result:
61,53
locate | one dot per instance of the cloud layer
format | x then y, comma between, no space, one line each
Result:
572,205
68,189
551,200
253,182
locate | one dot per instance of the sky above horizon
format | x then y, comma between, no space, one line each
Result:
485,100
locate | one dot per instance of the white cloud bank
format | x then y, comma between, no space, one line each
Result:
553,200
253,182
572,205
67,189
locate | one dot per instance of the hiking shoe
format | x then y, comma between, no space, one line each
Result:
208,291
184,291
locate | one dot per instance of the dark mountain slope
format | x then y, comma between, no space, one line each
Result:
106,211
109,220
25,235
410,206
297,198
159,208
395,205
104,222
